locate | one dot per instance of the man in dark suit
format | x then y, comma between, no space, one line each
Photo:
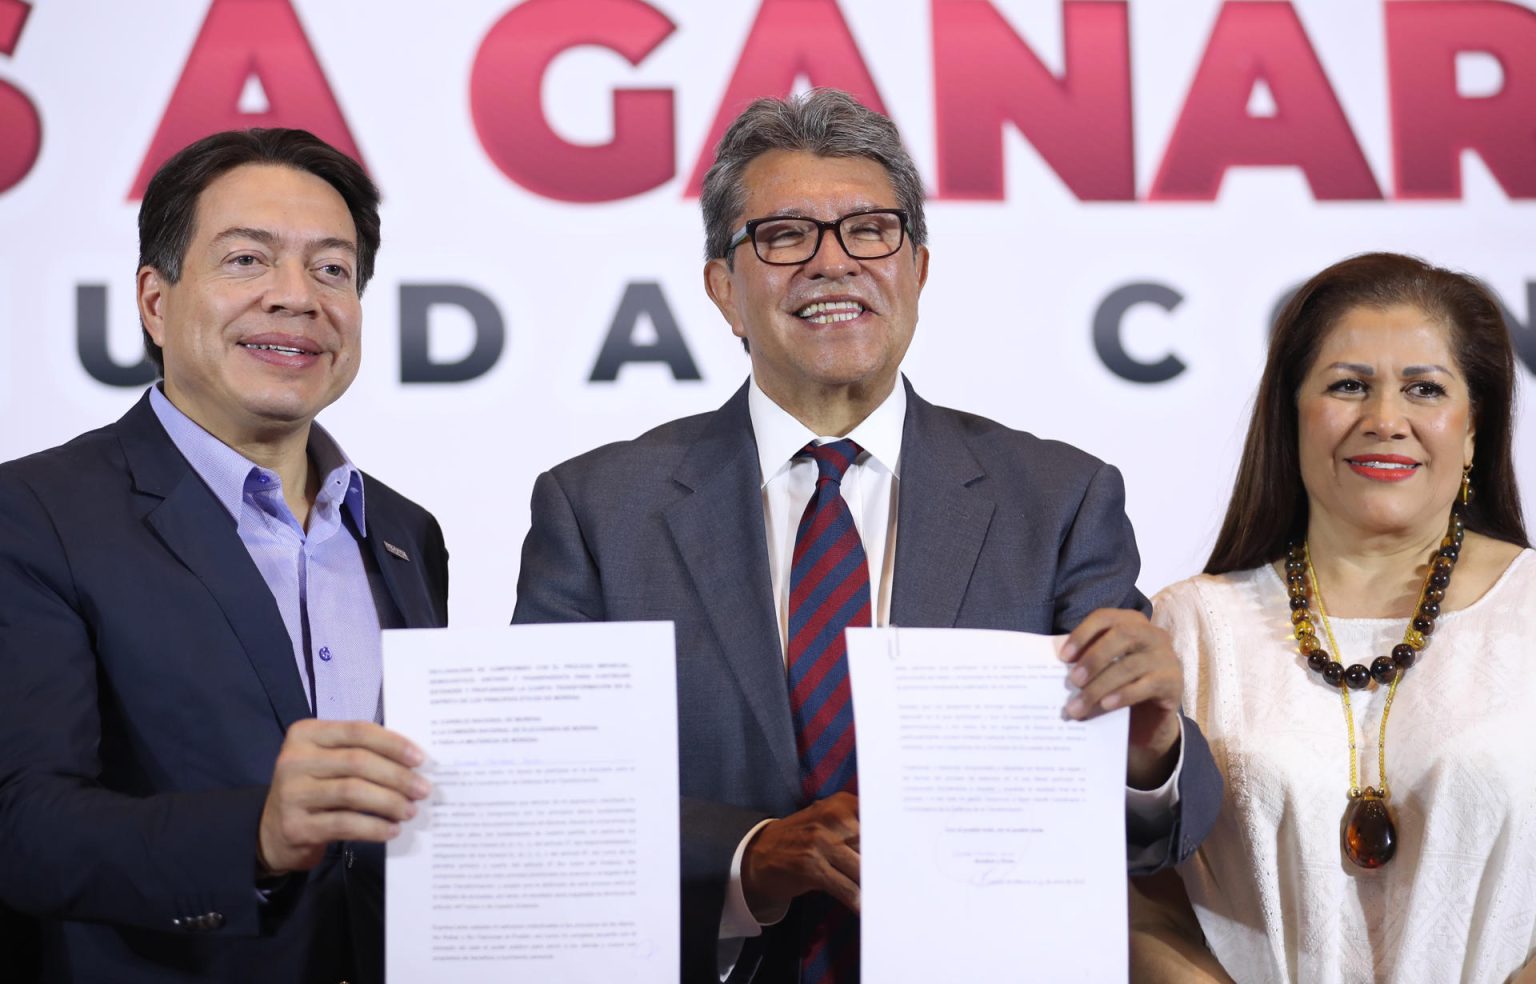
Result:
193,781
827,493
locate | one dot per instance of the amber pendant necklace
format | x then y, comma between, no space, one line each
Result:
1368,830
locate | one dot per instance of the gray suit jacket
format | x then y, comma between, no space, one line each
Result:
996,529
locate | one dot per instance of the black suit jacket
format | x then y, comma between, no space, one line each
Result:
995,529
146,684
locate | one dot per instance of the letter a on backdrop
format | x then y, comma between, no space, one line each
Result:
242,39
1262,42
790,39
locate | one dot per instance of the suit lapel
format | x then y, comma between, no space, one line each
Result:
942,519
201,534
402,576
718,530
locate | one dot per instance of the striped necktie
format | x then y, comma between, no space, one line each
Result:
828,591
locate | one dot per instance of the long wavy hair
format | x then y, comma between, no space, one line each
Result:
1268,508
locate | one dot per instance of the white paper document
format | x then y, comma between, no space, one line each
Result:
991,831
548,850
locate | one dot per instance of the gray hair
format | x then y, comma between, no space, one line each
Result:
825,122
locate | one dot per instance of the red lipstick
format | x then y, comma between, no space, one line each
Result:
1383,467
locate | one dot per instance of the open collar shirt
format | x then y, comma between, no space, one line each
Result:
327,587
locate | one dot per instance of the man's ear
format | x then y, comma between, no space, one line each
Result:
720,285
920,257
151,298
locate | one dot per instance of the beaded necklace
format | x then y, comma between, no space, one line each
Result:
1368,832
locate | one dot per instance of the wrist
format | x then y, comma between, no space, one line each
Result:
763,908
1149,766
265,871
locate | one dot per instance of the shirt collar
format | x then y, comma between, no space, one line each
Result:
229,474
780,436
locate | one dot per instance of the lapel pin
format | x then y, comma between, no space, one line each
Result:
397,551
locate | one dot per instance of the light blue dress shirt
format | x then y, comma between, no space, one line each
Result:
326,584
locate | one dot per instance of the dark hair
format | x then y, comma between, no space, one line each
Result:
825,122
1269,505
169,209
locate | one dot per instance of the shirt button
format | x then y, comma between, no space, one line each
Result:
325,653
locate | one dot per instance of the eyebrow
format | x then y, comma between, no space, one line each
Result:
1361,369
796,212
267,238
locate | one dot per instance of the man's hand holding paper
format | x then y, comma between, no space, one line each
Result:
1120,659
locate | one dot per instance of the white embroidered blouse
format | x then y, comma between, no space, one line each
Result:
1275,896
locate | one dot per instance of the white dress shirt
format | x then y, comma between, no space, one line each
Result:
870,487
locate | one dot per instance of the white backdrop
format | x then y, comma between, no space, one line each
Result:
1017,274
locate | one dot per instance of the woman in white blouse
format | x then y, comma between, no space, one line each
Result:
1361,652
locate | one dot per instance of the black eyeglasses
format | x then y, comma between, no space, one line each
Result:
789,240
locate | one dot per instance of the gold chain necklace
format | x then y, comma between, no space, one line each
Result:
1368,831
1369,835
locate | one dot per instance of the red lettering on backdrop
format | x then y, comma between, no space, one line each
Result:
19,121
239,39
789,39
1255,41
1432,123
13,16
986,76
508,112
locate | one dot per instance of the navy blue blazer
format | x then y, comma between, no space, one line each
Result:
146,684
997,529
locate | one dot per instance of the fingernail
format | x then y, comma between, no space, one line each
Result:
414,755
1068,652
1078,676
420,788
410,810
1075,707
394,830
1111,702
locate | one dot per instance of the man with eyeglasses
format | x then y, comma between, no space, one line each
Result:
826,494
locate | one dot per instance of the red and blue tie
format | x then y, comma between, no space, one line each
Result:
828,592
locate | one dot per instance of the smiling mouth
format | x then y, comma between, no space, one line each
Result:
830,312
1393,469
280,349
